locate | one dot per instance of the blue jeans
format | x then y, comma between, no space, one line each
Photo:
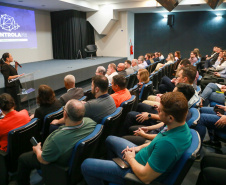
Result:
209,94
207,120
95,171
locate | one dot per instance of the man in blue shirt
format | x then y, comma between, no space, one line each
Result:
154,160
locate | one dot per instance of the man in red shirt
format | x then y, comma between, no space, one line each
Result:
12,119
119,87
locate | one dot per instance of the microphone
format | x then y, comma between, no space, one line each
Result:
17,63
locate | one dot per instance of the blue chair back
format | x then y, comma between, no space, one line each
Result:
48,119
146,90
198,89
83,98
184,164
194,118
196,104
212,104
131,80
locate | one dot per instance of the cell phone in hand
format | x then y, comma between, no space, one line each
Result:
33,141
120,162
217,109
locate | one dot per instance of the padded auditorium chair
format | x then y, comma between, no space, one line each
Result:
89,95
132,79
91,49
135,91
127,80
18,143
83,98
180,169
127,107
146,90
47,120
196,104
195,116
70,175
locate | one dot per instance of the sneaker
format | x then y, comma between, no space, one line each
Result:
212,144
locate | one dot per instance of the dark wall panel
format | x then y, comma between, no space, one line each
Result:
191,30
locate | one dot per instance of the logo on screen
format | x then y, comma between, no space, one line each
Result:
8,23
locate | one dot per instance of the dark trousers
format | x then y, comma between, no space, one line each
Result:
13,91
26,163
166,85
132,116
213,170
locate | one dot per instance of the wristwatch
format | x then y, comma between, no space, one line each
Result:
149,116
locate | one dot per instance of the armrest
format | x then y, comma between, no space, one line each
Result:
54,174
131,179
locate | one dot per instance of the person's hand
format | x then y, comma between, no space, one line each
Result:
221,122
142,117
217,74
145,129
37,147
139,132
129,153
137,149
223,90
55,122
84,102
32,116
222,107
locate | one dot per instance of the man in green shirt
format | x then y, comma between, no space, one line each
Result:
154,160
59,144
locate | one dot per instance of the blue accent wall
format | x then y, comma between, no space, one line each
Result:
191,30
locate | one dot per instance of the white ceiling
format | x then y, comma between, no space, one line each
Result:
135,6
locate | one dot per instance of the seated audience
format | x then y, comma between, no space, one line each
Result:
141,64
149,162
193,57
121,69
47,103
72,91
177,55
12,119
156,57
198,53
170,60
100,70
212,59
143,78
142,132
211,121
213,170
161,57
219,60
185,75
213,92
111,72
129,69
98,108
121,92
166,84
135,65
59,145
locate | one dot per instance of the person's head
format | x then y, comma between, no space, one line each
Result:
6,102
160,54
156,54
121,67
185,62
46,95
214,48
99,85
118,83
7,57
177,54
147,56
192,54
134,62
152,55
101,70
173,108
143,75
197,51
111,68
221,54
74,111
170,57
69,81
187,90
186,75
140,59
224,57
218,50
128,64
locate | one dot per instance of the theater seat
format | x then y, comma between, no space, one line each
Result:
194,118
85,148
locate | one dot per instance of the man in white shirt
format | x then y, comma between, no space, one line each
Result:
111,71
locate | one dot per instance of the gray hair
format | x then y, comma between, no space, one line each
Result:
135,60
69,79
75,110
101,69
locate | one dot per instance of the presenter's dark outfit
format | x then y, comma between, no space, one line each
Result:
13,87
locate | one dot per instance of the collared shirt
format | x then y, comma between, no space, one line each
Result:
121,96
111,76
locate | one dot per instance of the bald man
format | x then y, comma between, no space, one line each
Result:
72,91
121,69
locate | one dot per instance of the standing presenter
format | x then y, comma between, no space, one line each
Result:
10,73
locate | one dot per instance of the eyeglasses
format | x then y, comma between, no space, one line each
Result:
64,109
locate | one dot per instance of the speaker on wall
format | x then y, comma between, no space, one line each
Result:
170,20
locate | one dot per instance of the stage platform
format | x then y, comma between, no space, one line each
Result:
52,72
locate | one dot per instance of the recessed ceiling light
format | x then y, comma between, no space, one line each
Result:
43,5
20,1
